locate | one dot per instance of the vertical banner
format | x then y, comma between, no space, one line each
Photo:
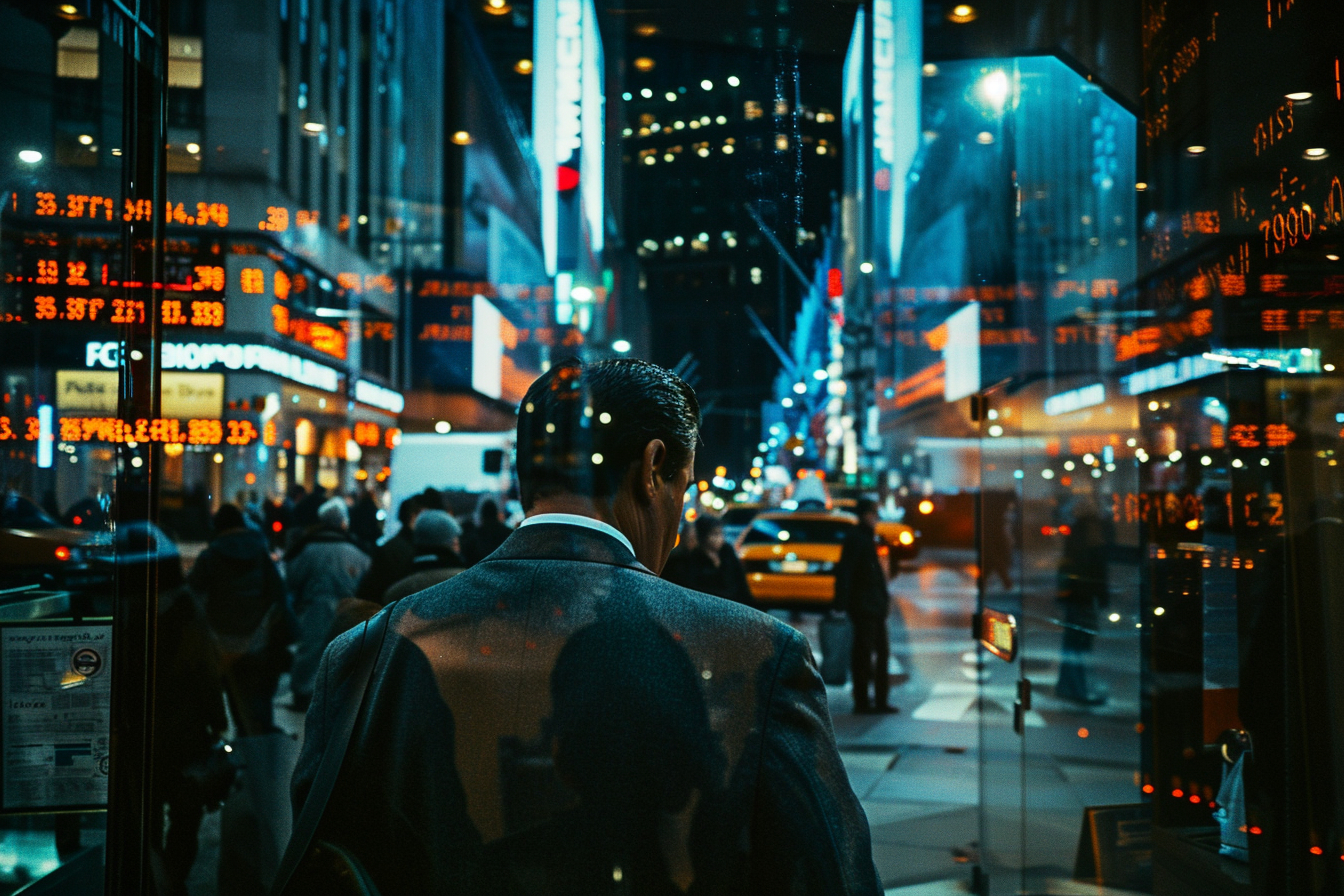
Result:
568,122
897,50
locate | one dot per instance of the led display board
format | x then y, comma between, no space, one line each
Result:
474,335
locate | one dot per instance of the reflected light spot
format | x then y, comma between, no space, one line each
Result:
961,14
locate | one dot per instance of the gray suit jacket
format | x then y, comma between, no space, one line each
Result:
558,720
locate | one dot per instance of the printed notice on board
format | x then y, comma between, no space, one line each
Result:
56,686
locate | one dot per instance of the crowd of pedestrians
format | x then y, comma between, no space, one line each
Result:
276,582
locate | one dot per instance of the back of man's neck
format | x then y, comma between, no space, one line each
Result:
576,505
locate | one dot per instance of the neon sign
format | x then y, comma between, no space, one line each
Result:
379,397
1075,400
193,356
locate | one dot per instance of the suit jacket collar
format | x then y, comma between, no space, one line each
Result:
557,541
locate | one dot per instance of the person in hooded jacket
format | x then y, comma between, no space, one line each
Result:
237,585
326,570
437,541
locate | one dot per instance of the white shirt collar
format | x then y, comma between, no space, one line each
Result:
574,519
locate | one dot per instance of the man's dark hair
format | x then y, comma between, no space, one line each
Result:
865,505
581,426
705,525
228,517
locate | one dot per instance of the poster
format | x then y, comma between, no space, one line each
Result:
56,687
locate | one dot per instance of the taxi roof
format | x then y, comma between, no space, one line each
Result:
821,515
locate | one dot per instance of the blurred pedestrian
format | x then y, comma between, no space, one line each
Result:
487,532
365,526
243,597
712,566
304,521
861,591
391,560
326,571
189,721
557,719
437,544
1083,590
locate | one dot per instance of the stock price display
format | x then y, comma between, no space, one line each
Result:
63,280
116,430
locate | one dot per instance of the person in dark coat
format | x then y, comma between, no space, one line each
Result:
391,560
190,719
365,527
712,567
438,540
325,572
488,533
304,521
243,596
861,591
557,719
1083,590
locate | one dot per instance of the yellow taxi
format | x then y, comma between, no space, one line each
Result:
790,556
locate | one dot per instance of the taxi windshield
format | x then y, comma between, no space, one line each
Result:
796,531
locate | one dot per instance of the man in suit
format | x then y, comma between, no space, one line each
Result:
559,720
861,591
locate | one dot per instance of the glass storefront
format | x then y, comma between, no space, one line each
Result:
1107,337
1083,330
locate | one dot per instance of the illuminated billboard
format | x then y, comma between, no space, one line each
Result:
479,336
568,124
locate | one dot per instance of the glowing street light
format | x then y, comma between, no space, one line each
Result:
621,346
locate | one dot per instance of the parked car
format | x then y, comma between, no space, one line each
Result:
35,549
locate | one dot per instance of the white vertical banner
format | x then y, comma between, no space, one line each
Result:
593,130
487,348
543,121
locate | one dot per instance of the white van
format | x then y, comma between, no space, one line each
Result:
477,463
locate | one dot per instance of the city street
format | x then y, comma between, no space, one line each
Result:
917,773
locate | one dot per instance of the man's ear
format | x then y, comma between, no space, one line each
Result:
652,469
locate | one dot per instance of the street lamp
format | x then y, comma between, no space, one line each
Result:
621,346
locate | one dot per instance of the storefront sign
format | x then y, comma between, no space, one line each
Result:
379,397
1075,400
1173,373
203,356
188,395
87,390
185,395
